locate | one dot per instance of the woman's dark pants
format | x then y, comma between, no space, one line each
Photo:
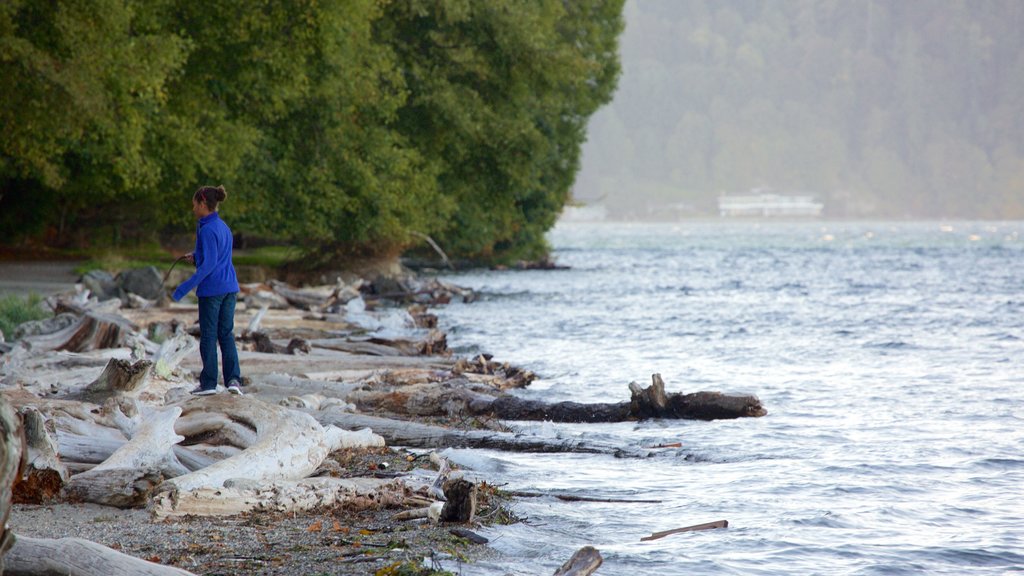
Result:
216,327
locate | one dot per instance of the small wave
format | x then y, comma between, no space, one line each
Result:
890,345
978,557
1000,463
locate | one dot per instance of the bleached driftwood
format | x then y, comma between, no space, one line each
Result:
133,471
289,445
172,352
304,298
416,435
118,377
254,324
44,475
77,557
238,496
11,460
281,386
94,330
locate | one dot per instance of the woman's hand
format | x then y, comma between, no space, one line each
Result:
190,258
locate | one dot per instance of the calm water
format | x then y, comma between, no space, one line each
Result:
890,358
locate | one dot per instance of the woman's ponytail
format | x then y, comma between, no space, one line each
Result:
210,195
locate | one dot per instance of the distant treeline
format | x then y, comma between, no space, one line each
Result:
882,107
348,126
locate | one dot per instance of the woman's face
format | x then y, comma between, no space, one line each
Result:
199,209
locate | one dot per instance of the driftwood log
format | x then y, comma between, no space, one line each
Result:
92,331
460,501
417,435
11,454
77,557
118,377
43,476
452,398
130,475
583,563
646,403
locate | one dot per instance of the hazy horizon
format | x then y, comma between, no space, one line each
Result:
879,109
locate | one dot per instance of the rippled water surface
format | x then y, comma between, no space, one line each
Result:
889,356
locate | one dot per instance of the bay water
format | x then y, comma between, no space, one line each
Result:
890,358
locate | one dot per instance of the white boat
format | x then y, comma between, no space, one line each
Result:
761,202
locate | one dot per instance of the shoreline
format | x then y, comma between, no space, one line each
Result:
346,539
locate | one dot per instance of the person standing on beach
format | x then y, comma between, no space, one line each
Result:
217,288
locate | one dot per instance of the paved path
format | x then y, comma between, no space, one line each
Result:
43,278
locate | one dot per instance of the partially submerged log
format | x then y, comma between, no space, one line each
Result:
450,398
77,557
653,402
584,562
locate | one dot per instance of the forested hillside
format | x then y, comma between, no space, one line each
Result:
349,126
884,108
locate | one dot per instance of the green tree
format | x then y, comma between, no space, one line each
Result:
80,88
499,95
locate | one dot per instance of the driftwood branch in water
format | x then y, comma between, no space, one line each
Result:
705,526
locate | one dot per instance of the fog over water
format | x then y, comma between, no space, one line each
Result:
879,108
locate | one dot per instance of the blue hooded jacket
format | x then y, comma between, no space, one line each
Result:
215,274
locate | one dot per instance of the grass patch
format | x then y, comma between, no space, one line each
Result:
267,256
15,310
115,261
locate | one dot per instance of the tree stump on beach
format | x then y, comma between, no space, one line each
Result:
460,501
43,475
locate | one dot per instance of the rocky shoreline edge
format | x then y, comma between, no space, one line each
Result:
334,358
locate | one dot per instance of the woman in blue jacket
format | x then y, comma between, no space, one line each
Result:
217,288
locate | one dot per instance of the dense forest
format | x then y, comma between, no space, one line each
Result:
351,127
882,108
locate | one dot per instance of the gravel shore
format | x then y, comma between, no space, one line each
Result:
341,540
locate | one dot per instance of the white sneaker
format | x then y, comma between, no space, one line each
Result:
235,387
200,391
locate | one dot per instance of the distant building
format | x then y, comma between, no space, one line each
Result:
764,203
